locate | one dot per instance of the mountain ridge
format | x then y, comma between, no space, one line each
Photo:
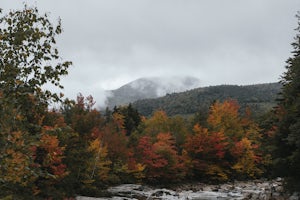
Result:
259,97
181,96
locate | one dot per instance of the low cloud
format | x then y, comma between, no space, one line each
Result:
220,42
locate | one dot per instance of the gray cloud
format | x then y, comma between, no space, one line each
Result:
220,42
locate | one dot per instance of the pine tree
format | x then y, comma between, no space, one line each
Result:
287,138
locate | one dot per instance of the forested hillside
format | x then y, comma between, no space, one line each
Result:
259,98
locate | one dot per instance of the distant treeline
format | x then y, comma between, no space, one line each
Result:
259,97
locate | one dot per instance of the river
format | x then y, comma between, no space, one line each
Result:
237,190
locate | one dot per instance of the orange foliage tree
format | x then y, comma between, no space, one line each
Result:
243,135
123,165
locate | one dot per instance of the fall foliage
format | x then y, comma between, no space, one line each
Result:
77,150
80,147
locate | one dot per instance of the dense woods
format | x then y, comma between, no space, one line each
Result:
286,125
75,149
260,98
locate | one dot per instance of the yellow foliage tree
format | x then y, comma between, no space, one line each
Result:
158,123
15,168
224,117
247,160
101,165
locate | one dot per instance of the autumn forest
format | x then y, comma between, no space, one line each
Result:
59,152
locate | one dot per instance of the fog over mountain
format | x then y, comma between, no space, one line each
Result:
221,42
150,87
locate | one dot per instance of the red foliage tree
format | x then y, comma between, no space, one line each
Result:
160,158
206,149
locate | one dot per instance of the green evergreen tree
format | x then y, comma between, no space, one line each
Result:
287,138
132,118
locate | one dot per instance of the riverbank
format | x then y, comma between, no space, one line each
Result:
237,190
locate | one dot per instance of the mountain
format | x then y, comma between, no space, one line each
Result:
148,88
259,98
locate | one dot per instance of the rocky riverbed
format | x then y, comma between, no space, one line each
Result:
257,189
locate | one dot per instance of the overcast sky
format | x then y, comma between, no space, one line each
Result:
112,42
